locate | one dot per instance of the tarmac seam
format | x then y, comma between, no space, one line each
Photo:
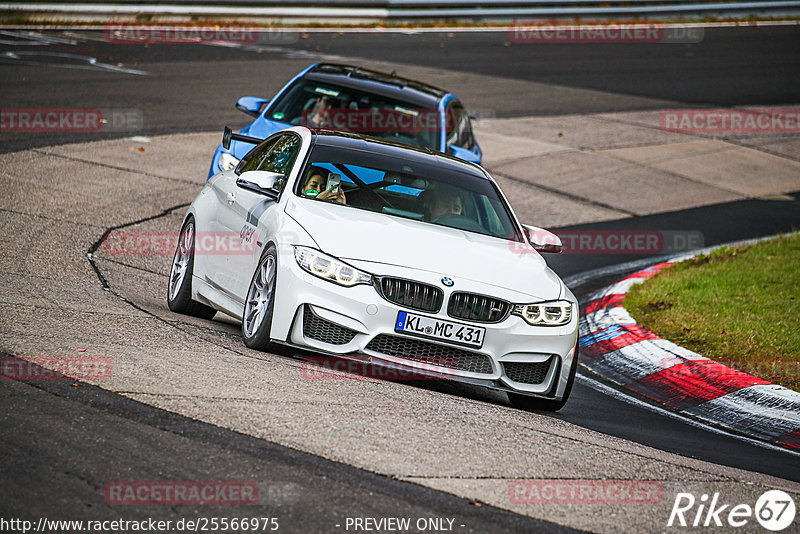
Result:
509,161
135,267
106,287
54,219
568,196
112,167
699,136
738,194
738,142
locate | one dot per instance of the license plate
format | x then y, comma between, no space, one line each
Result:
428,327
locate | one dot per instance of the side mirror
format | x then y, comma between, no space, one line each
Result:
251,105
463,153
543,240
260,181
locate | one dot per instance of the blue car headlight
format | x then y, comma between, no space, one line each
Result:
329,268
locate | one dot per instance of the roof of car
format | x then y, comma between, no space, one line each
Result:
391,148
381,83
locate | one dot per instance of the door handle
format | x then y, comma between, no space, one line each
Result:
231,198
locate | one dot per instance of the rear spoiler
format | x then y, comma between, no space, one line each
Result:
228,135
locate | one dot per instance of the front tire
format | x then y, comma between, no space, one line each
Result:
179,290
260,303
526,402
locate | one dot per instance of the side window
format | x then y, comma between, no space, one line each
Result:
275,156
459,129
492,220
253,159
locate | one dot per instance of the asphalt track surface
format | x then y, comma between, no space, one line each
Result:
193,87
194,91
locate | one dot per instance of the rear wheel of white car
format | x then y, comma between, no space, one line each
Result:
260,302
179,291
526,402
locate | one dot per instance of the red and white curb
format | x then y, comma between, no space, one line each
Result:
615,347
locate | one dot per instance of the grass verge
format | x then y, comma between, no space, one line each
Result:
739,306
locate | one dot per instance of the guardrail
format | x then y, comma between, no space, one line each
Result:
397,10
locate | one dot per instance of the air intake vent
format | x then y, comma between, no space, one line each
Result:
478,308
527,372
410,294
431,353
315,327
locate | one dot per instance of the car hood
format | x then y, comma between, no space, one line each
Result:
359,235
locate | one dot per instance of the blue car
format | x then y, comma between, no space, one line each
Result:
348,98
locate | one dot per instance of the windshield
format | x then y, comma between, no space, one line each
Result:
434,194
323,105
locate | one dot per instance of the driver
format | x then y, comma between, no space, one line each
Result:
315,183
444,202
318,115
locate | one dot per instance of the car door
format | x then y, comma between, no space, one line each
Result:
244,216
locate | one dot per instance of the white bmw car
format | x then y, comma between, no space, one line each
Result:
398,256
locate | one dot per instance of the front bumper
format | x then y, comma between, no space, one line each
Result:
358,323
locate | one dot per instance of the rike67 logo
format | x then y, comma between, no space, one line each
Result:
774,510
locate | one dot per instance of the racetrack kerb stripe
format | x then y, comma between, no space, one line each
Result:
681,381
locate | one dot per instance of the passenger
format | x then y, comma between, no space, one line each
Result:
315,186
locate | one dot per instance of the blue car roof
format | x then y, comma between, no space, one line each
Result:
394,149
389,85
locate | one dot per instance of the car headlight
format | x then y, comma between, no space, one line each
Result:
329,268
227,162
554,313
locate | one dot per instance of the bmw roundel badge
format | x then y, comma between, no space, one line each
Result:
447,281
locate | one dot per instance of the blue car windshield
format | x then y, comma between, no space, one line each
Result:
436,194
324,105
